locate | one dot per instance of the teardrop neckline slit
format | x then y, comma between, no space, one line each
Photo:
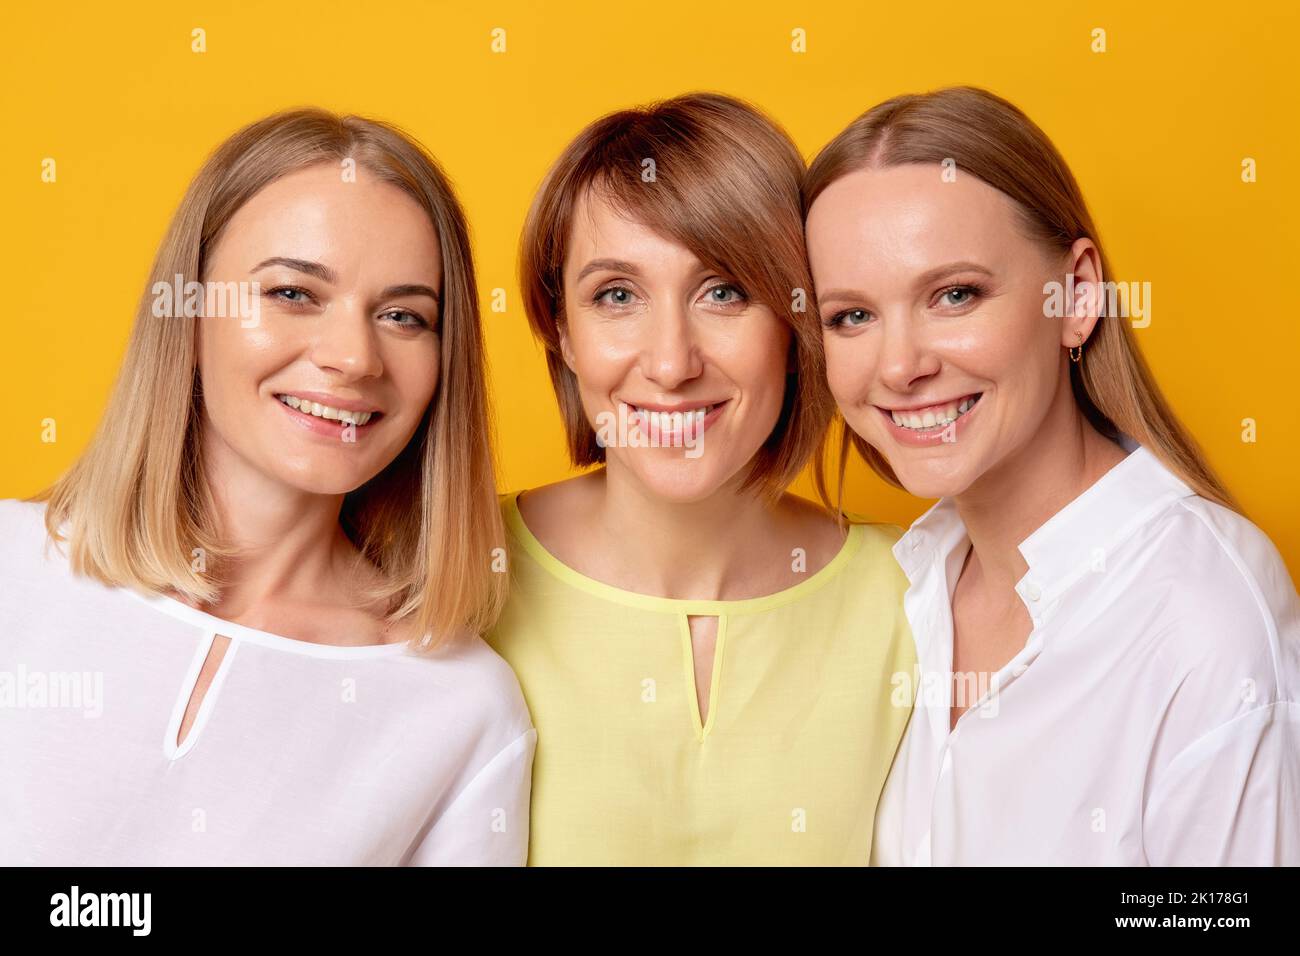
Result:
198,700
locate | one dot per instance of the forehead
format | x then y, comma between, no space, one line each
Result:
316,214
599,230
908,217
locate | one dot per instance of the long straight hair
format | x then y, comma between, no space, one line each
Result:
991,139
135,509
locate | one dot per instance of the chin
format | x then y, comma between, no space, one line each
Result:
323,477
936,478
680,480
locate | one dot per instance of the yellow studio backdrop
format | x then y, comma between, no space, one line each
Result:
1165,113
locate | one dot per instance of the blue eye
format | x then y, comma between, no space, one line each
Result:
290,294
398,314
960,295
615,295
725,295
849,318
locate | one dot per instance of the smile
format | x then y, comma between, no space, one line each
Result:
668,419
931,417
327,412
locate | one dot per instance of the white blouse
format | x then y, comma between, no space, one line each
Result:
1152,715
300,754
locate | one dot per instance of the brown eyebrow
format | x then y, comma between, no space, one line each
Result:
613,265
397,291
931,275
319,270
938,272
840,295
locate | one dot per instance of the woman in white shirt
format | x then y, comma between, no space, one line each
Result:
243,628
1109,652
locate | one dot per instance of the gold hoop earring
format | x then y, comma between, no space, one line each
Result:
1076,353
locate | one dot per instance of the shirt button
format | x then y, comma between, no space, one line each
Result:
1032,591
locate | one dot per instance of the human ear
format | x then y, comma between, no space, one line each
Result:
566,347
1085,283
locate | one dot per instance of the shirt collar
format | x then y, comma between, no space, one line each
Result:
937,532
1079,537
1074,540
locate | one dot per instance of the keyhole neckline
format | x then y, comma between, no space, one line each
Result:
171,749
703,726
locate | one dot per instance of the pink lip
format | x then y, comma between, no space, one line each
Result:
323,426
928,439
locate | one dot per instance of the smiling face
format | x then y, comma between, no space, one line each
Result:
329,384
657,337
938,350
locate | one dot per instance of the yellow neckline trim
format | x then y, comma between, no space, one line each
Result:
536,550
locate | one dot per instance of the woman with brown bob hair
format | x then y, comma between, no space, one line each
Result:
278,543
1109,652
707,657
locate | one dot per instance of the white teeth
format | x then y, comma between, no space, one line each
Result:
931,418
325,411
672,421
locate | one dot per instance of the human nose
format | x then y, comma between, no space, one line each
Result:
346,342
671,352
906,354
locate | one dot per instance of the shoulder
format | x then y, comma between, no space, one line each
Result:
877,548
477,680
879,535
877,532
18,516
557,500
1216,562
1243,554
23,538
1219,590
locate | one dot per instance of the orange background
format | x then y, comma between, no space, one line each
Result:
1156,128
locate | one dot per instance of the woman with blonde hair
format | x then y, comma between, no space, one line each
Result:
267,574
1109,652
707,657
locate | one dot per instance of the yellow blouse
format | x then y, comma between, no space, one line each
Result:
801,727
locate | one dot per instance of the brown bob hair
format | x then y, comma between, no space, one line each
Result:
726,186
135,507
991,139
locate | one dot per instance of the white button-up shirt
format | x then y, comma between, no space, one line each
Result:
1152,715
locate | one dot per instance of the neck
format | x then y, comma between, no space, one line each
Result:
1011,501
710,549
287,543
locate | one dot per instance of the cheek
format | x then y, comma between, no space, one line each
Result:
414,369
601,361
234,360
1017,349
756,357
848,367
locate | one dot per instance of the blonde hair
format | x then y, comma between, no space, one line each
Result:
134,507
991,139
726,187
